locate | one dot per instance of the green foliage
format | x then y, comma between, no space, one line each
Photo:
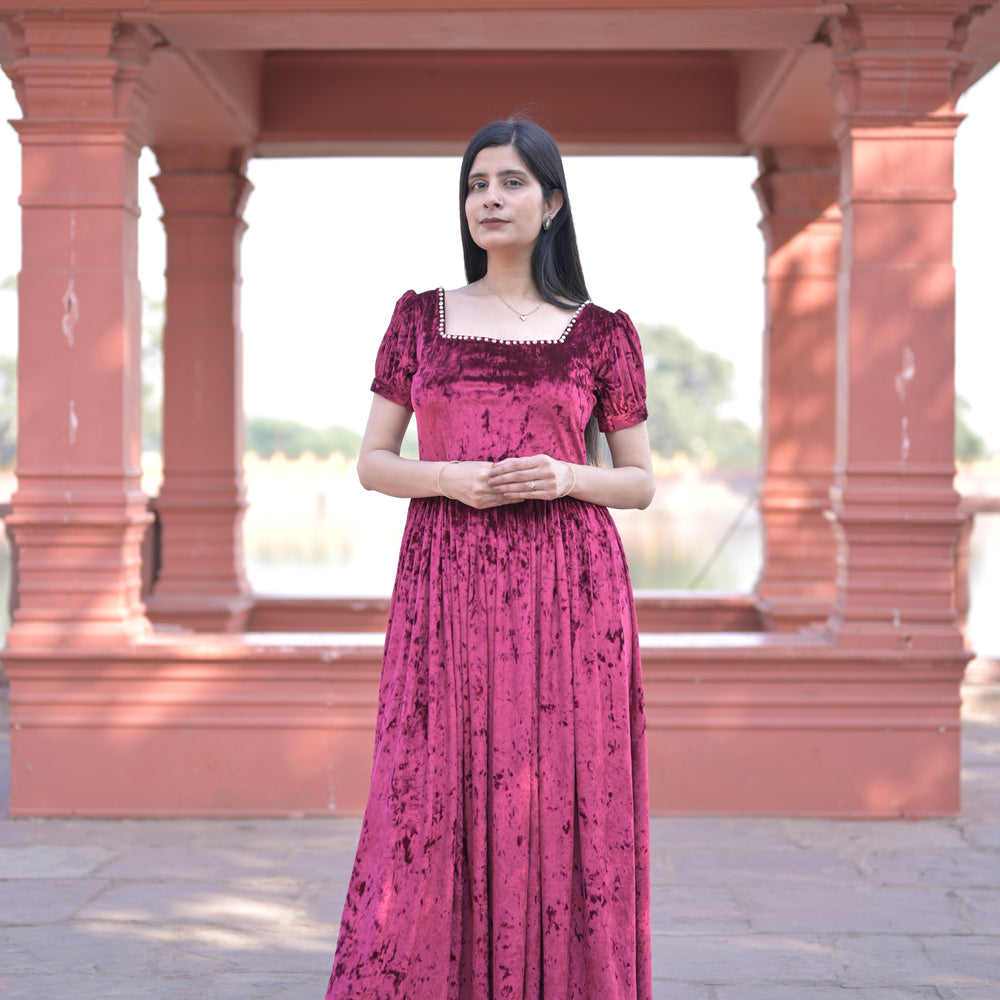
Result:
8,411
152,374
685,388
410,447
268,435
969,446
8,284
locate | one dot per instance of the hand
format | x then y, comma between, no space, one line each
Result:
468,482
515,477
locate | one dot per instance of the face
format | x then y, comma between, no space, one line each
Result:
504,203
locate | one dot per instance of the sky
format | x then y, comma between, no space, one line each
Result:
332,243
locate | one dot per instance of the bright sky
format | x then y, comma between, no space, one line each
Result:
333,243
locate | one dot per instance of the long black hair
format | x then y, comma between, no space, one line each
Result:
555,261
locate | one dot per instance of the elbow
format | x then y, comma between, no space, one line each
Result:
646,494
364,472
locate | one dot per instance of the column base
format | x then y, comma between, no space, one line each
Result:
76,633
904,635
793,614
201,612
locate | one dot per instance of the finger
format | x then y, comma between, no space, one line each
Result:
498,501
524,491
518,476
520,489
508,465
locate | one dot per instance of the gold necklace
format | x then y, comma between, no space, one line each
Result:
520,315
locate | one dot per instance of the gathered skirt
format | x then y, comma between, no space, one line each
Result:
504,853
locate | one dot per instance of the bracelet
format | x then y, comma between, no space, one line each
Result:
573,485
440,488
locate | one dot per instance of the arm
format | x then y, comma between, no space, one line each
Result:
629,483
381,468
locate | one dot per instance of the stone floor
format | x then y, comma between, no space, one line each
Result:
743,909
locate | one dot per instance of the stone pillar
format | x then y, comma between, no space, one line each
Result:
202,583
797,190
898,73
78,512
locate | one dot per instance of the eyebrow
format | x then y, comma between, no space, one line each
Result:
503,173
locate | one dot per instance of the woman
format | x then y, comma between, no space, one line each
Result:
504,851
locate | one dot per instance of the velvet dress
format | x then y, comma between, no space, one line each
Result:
504,853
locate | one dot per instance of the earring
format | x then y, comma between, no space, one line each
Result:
547,222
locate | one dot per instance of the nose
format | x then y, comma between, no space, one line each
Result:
493,198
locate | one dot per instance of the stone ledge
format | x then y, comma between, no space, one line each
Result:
278,724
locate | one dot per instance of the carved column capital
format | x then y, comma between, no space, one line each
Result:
797,189
900,62
73,68
199,180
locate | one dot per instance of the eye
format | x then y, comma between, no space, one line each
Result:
476,186
513,182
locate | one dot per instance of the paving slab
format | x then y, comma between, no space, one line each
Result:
972,959
225,986
785,865
969,993
855,838
44,861
698,910
45,901
720,831
742,908
236,906
663,990
980,909
820,991
886,961
969,867
865,909
745,958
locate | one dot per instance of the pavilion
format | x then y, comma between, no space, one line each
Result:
832,690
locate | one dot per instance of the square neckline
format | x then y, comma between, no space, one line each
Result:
442,332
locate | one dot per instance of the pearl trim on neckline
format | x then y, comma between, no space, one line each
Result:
497,340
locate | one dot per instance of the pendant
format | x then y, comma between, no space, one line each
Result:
523,316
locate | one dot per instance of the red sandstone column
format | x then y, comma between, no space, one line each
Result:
797,190
899,71
78,512
202,584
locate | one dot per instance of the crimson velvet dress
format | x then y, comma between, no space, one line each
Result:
504,853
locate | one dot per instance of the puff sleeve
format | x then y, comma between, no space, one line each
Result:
396,361
620,377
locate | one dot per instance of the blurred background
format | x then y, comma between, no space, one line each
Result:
332,243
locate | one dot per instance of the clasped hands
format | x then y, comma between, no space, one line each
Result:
494,484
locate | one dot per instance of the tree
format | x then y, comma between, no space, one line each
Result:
8,395
8,411
267,435
152,374
686,386
968,444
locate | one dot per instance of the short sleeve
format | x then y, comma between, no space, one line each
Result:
396,361
621,377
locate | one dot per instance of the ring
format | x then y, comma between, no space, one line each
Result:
531,486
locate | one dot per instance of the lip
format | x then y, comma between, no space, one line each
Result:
491,221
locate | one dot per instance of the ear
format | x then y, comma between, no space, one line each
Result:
552,204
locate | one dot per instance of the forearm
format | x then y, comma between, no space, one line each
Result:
386,472
622,487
